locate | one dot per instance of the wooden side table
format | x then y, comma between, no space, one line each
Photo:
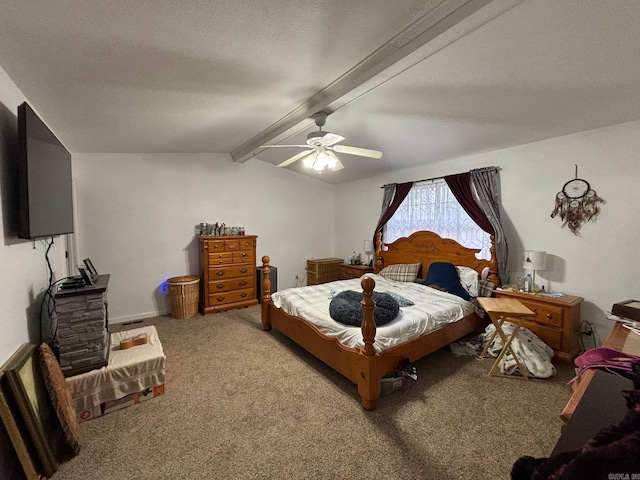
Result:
354,271
500,310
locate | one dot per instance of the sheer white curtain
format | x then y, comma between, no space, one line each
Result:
432,206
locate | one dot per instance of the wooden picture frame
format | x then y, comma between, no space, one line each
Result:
16,431
25,384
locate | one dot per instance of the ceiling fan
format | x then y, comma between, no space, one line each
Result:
320,147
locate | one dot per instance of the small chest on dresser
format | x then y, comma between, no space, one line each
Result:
557,321
228,272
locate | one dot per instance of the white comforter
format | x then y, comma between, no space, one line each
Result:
432,309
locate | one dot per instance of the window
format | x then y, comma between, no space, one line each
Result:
432,206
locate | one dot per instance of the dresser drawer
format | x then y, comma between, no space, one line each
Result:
244,257
221,258
247,243
230,297
230,245
230,284
545,314
219,273
549,335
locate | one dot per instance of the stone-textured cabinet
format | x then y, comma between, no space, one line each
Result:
83,336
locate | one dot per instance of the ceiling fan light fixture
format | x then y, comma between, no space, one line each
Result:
319,160
308,160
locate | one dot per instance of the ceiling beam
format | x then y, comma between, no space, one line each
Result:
369,73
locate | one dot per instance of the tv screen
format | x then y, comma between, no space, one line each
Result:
44,179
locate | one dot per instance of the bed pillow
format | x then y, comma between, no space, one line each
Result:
445,276
345,308
469,280
401,272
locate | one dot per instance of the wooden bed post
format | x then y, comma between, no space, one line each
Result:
266,293
379,262
369,381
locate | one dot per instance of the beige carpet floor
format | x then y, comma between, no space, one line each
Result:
241,403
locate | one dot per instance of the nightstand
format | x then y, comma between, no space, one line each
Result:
557,321
354,271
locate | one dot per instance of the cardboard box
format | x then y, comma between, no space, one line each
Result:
119,404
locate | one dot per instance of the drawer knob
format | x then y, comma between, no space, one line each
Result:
244,270
220,299
220,285
549,316
220,273
243,283
243,294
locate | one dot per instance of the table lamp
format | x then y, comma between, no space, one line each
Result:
368,249
534,260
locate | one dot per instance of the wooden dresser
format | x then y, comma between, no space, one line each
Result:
227,272
557,321
616,340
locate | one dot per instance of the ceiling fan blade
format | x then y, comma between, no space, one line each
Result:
297,156
281,146
363,152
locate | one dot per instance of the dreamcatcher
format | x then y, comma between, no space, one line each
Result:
576,204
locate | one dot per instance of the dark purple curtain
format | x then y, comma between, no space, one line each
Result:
460,185
402,190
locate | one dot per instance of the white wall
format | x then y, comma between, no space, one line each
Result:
24,275
601,265
136,215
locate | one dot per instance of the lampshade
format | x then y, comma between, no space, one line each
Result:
534,260
367,247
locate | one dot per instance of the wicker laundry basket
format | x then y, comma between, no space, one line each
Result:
183,293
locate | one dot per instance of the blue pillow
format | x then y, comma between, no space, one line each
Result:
445,275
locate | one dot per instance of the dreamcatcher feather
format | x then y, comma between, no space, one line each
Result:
575,211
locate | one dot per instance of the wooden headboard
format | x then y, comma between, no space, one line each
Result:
426,247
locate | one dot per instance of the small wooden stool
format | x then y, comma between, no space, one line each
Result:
501,310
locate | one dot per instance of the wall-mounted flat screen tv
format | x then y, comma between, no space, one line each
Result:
44,179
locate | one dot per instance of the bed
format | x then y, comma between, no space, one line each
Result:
365,363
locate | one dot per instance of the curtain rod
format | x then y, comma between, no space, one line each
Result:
438,178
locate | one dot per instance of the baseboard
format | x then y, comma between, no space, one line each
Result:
138,316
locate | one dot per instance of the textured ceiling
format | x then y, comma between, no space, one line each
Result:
423,81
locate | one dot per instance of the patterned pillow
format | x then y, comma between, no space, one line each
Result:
468,279
401,272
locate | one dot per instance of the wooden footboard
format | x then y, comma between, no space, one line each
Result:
364,366
361,366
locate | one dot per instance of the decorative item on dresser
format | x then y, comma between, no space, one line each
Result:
323,270
354,271
228,272
557,320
